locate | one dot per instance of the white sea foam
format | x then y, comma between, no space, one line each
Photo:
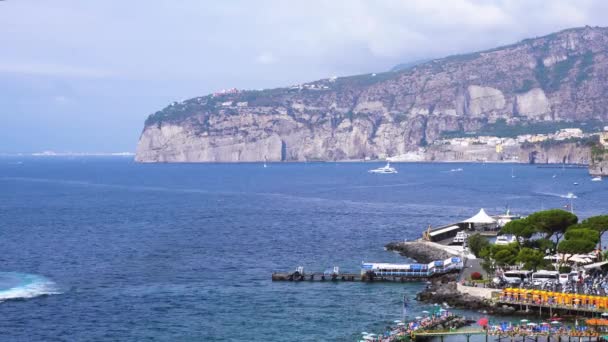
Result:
24,286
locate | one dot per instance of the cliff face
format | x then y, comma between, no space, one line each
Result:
552,78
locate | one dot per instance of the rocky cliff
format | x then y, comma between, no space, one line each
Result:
553,78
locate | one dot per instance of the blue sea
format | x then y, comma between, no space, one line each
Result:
105,249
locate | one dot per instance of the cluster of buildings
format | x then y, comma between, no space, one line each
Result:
309,86
561,135
226,91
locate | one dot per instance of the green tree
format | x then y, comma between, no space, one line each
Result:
575,246
552,223
598,223
531,258
519,228
587,234
542,244
476,243
505,254
487,262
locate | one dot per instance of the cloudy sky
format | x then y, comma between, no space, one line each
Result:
83,75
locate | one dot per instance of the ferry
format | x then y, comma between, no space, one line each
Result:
502,220
385,169
413,270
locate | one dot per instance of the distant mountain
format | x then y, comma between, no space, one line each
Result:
558,77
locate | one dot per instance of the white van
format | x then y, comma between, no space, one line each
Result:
564,278
516,277
541,277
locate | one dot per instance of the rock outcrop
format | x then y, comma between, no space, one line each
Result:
552,78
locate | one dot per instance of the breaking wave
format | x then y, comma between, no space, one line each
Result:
14,285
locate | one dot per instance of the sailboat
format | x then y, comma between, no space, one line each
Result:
265,166
512,173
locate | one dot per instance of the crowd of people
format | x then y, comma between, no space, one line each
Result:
404,329
546,328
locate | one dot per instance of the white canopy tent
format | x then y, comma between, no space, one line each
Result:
595,265
481,218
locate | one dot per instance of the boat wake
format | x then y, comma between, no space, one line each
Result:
551,194
15,285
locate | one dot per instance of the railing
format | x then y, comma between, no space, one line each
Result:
429,272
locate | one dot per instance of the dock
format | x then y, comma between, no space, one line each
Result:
379,272
343,277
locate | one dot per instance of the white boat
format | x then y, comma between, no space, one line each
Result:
385,169
596,179
460,238
505,239
502,220
456,170
512,173
570,195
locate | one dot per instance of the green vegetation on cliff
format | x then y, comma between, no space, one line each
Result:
502,129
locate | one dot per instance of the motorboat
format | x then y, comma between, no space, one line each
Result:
460,238
502,240
596,179
385,169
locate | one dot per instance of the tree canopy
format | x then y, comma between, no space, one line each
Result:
519,228
582,234
575,246
531,258
476,243
552,223
598,223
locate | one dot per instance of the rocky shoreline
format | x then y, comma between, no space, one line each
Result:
418,250
444,289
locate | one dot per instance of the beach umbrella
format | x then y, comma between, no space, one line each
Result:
418,317
364,333
401,324
397,321
554,322
532,324
425,312
605,314
482,322
524,320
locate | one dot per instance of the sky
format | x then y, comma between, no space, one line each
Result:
82,76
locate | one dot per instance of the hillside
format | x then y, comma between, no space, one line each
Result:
560,77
